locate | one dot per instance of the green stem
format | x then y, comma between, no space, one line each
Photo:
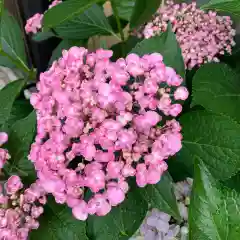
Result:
115,11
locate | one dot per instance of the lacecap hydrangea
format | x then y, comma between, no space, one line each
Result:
202,36
100,122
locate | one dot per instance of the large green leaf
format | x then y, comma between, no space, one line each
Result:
122,222
167,45
63,45
20,139
233,182
143,11
217,88
214,211
162,196
125,8
113,23
91,22
1,6
231,6
65,12
12,42
57,223
7,97
213,138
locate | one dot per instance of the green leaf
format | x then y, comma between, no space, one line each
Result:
125,8
1,7
65,12
113,23
214,211
57,223
20,109
128,45
91,22
213,138
12,42
6,62
7,97
162,197
173,168
20,139
63,45
122,222
167,45
41,36
233,182
216,87
231,6
143,11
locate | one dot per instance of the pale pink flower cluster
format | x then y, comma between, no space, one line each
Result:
34,24
202,36
98,125
19,208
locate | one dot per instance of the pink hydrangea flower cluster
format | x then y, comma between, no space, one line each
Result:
202,36
34,24
98,125
19,208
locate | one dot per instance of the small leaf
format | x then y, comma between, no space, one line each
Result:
213,138
143,11
65,11
122,222
125,8
167,45
7,97
230,6
63,45
20,139
216,87
57,223
162,197
214,211
91,22
41,36
12,41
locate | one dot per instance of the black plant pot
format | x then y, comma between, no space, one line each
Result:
40,52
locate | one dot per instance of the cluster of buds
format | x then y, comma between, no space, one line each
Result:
19,208
34,24
202,36
100,122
